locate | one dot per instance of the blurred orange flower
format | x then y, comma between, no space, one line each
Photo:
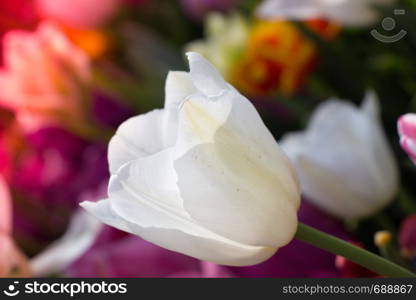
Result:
96,43
262,58
45,77
277,59
326,29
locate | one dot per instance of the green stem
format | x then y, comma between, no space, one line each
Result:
353,253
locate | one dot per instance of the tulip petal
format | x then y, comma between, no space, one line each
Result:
371,105
182,238
231,173
288,9
151,177
144,192
137,137
330,192
102,210
346,12
407,126
358,145
178,87
205,76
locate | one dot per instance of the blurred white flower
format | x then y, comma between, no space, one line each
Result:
81,234
203,176
346,12
343,159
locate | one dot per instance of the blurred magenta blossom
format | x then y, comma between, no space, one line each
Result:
44,77
407,131
407,237
17,14
198,9
52,173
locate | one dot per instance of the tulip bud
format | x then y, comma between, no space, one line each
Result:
203,176
407,130
343,159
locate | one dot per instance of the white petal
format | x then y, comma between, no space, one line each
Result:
209,248
331,191
102,210
204,75
80,235
144,192
178,87
232,175
289,9
151,178
137,137
293,144
352,13
371,105
346,12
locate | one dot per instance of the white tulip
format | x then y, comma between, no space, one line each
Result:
346,12
343,159
203,176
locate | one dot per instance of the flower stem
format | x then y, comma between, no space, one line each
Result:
353,253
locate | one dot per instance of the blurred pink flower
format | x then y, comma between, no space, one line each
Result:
44,77
198,9
5,208
407,131
12,261
78,13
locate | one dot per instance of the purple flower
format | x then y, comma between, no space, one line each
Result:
53,170
299,259
198,9
407,239
109,111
